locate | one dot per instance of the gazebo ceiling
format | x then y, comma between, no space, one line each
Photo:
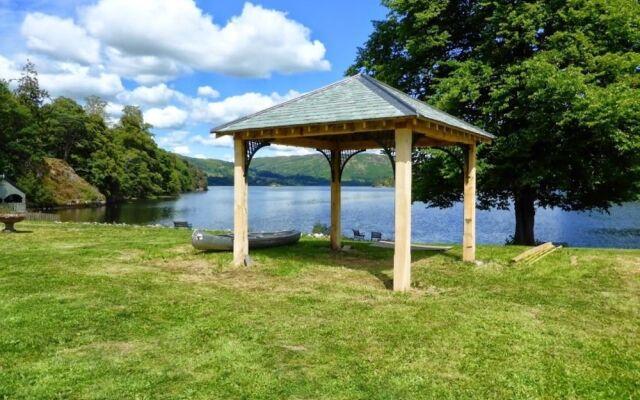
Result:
358,112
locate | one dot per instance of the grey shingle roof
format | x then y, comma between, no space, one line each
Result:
355,98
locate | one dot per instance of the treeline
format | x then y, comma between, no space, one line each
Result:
121,159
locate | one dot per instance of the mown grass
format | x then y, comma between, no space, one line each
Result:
124,312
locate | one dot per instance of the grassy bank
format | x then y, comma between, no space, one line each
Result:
122,312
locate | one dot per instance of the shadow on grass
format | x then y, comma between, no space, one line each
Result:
361,257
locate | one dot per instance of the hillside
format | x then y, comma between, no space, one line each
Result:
363,170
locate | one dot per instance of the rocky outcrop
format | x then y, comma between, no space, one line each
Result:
66,188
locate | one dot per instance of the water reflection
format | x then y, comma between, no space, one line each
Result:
367,209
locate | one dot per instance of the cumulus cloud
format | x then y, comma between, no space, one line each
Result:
144,69
59,38
179,37
78,82
282,150
210,140
8,69
167,117
175,141
159,94
233,107
208,91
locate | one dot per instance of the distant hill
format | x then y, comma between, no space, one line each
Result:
363,170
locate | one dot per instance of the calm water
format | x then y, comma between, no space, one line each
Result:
367,209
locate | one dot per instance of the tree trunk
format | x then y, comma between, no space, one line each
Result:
525,219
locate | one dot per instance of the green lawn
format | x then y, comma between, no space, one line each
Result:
111,312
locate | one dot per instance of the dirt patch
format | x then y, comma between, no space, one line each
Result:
127,255
628,265
296,348
183,249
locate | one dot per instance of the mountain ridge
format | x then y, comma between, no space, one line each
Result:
364,169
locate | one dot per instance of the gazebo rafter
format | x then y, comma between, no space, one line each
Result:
343,119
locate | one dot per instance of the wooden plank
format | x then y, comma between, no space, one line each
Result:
402,253
414,246
469,235
532,252
336,230
541,255
240,211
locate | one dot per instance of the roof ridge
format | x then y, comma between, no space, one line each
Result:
302,96
382,90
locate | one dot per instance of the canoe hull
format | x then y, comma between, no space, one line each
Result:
259,240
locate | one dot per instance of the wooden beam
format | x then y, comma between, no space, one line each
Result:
306,142
340,128
402,253
336,228
240,211
442,132
469,236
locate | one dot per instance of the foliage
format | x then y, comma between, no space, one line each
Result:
556,81
111,312
321,228
122,161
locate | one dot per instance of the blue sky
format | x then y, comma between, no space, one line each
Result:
189,65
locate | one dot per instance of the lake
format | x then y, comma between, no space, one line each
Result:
368,209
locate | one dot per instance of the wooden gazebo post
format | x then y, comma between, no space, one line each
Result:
240,207
336,230
402,253
469,235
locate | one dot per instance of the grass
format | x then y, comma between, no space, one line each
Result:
108,312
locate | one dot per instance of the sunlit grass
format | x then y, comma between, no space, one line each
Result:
92,311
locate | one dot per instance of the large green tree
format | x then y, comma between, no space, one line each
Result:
556,81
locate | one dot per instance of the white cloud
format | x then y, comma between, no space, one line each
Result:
184,150
210,140
152,95
208,91
236,106
168,117
8,69
200,156
282,150
144,69
59,38
148,40
78,82
175,142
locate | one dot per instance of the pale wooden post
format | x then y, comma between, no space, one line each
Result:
336,230
402,252
240,212
469,236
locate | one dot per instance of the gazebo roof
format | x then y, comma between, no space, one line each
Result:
353,99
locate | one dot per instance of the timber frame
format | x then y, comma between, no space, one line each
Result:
340,140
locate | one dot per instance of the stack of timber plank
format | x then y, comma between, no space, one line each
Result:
535,253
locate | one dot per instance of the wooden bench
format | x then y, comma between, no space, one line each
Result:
376,236
181,224
357,235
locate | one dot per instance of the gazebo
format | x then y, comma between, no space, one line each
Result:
344,119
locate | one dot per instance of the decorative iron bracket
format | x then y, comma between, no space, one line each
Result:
345,156
251,148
